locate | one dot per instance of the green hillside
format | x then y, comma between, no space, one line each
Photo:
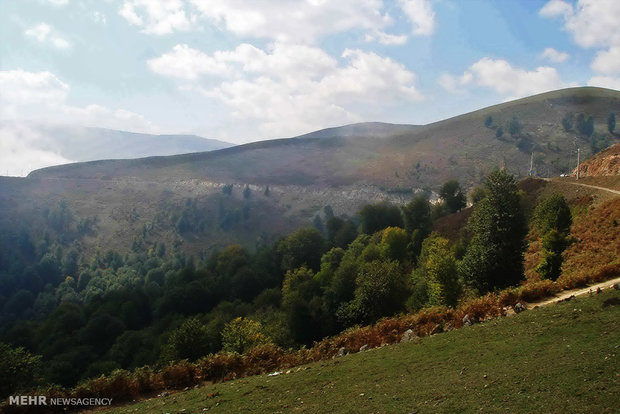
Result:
561,358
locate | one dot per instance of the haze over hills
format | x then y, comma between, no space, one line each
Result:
46,144
409,157
290,181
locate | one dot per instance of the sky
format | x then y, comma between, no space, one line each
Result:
248,70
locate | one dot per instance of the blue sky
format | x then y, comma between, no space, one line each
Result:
243,71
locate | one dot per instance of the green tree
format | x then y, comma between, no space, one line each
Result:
611,123
418,222
567,122
515,126
452,195
494,257
306,313
553,213
553,218
394,242
242,334
437,267
553,243
189,341
381,290
488,121
302,248
19,370
375,217
340,232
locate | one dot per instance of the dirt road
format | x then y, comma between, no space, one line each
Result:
575,292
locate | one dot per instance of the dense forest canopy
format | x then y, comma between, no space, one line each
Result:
69,318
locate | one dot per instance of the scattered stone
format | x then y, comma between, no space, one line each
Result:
341,352
274,374
519,307
164,394
363,348
467,320
407,336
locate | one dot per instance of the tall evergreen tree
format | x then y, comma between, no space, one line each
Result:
611,123
494,258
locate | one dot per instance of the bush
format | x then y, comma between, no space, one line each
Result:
241,334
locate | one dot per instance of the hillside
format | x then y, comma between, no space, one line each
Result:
461,147
605,163
292,180
560,358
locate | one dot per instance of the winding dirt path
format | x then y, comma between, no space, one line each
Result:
565,294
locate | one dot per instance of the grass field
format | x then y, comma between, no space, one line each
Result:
557,359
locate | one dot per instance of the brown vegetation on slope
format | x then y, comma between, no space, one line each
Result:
605,163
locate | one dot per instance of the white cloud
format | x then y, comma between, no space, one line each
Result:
605,82
41,96
156,17
556,8
23,149
20,88
186,63
45,34
593,23
289,89
607,61
303,21
386,38
455,84
500,76
421,15
292,21
554,55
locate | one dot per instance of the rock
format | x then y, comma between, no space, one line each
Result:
467,320
519,307
437,329
363,348
164,394
407,336
341,352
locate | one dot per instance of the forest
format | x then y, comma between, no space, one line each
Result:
65,319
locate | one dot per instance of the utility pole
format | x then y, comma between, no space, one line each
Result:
578,150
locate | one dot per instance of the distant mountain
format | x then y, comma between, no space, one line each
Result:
398,156
188,199
75,143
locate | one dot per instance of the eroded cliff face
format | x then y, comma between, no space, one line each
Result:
605,163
